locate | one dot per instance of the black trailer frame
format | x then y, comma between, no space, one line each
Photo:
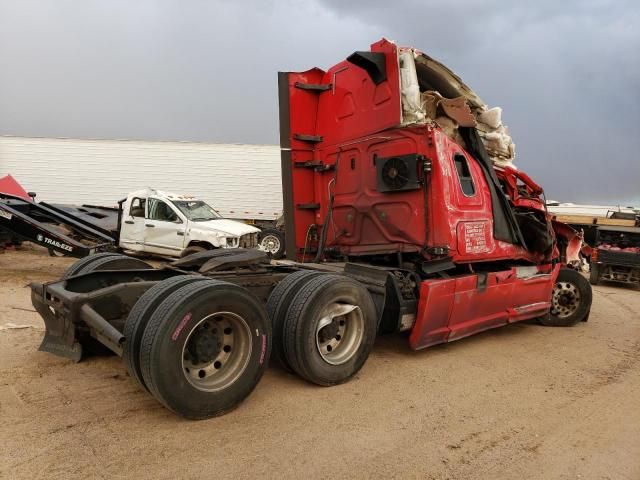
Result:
96,304
613,265
43,224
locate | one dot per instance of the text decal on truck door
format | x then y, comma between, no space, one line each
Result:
474,237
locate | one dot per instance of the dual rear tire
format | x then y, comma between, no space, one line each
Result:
324,326
199,346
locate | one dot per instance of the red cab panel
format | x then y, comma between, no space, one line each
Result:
455,308
355,105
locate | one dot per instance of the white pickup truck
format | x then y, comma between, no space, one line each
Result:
172,225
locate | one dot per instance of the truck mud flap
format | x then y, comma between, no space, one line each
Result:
60,337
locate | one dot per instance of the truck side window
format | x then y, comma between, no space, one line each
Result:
137,207
464,174
159,210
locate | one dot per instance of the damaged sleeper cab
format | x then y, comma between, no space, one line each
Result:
403,212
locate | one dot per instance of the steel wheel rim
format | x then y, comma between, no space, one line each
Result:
270,244
218,370
339,333
565,299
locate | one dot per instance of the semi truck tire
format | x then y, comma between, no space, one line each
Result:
101,261
80,264
205,348
570,300
271,241
330,329
115,262
278,305
594,274
139,316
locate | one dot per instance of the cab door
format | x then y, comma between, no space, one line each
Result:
471,208
481,299
132,227
164,228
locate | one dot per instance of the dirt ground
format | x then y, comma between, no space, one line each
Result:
522,401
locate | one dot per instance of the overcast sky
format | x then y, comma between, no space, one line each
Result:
567,74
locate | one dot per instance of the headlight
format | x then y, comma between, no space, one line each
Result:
232,242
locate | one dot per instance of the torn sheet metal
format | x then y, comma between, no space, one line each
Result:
431,93
458,109
412,111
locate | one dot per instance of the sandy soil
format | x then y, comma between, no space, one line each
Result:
523,401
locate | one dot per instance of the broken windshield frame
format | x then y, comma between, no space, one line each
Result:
196,210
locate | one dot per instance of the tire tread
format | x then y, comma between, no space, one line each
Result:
278,305
139,316
80,264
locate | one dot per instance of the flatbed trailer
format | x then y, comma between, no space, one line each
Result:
392,225
63,230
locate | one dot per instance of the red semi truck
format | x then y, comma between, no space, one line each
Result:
399,216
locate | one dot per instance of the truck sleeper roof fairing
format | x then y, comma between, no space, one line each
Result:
375,96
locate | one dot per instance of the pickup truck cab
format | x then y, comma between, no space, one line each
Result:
167,224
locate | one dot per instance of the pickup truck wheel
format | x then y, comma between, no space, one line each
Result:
594,274
205,348
278,305
80,264
330,329
570,300
272,242
139,316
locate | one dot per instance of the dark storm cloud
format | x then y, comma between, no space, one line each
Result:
566,73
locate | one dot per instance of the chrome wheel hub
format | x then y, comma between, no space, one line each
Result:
217,351
339,332
270,244
564,300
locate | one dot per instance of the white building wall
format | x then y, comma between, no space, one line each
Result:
240,181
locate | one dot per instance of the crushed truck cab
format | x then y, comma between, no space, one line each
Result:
173,225
387,159
403,212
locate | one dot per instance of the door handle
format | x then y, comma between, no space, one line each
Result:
130,222
149,225
180,233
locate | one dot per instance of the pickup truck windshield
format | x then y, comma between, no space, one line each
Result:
196,210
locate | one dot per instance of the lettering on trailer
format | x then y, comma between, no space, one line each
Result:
6,215
54,243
